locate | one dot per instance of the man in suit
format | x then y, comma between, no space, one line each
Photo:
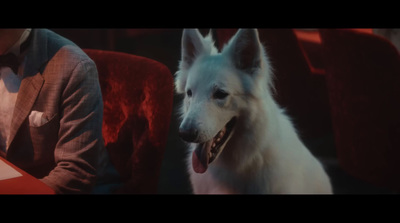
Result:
51,112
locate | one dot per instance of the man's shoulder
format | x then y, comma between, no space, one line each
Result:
57,43
66,61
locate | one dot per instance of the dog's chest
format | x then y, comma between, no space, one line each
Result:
226,181
207,183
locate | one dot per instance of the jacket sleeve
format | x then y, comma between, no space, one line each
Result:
80,137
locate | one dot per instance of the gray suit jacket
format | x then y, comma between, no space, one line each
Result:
60,82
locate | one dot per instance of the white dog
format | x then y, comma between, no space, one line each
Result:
240,140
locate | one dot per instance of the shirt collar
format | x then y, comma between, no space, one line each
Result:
15,49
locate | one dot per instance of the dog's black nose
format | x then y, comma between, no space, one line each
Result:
189,135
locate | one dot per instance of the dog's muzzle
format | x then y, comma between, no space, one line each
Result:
188,134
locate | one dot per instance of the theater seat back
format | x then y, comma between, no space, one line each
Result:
137,95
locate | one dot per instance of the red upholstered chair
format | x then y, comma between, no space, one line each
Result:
299,90
363,80
137,94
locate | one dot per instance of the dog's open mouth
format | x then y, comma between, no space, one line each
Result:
206,152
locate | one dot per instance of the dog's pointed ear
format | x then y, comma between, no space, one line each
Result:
245,50
192,46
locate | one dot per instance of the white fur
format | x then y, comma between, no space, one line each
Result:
264,153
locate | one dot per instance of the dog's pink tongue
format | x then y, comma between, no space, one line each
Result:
200,157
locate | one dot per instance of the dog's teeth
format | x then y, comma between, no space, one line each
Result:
213,145
218,139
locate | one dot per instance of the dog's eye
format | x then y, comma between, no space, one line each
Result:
220,94
189,93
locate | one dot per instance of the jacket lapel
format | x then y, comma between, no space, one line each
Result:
29,90
32,82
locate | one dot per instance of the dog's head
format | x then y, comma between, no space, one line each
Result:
217,88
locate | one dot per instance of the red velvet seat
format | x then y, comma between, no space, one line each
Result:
299,90
137,94
363,80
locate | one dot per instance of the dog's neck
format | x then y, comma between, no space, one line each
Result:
264,124
247,162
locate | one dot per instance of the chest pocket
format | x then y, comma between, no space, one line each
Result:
44,137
